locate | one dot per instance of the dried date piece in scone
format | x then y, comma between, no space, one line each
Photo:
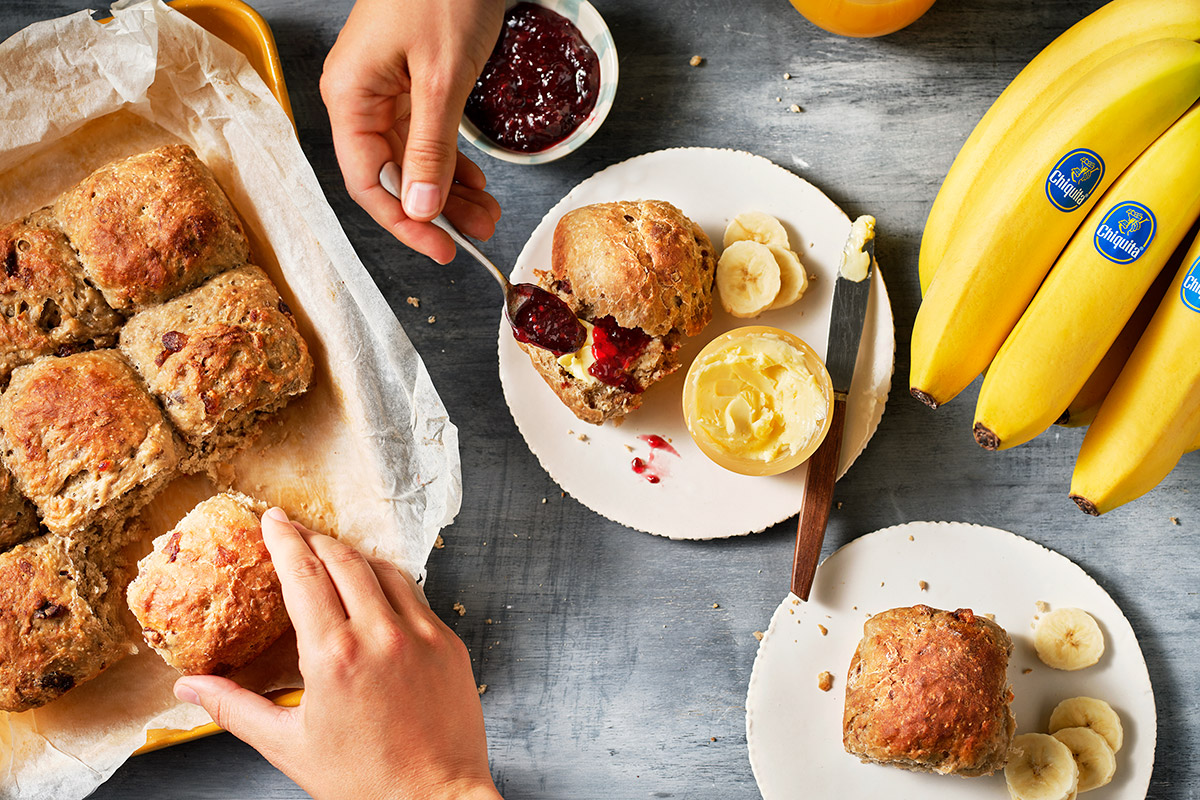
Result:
45,304
640,274
84,441
62,622
151,226
18,520
208,598
219,359
928,691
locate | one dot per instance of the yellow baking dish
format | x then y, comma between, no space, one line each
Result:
241,26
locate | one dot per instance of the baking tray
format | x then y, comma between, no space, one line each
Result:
244,28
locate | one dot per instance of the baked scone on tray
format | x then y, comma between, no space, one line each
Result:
207,598
927,690
639,274
85,442
219,359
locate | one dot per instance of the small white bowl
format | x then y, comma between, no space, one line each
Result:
589,22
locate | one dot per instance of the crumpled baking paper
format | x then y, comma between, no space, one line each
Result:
368,453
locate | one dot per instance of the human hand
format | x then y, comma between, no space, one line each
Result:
390,706
395,84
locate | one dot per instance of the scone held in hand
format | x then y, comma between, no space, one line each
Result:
928,691
207,598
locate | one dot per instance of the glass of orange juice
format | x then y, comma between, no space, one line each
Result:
862,18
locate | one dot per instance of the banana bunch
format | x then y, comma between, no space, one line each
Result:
1047,258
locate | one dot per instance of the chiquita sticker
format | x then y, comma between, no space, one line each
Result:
1191,287
1074,178
1125,232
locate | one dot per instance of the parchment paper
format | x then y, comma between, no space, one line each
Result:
368,454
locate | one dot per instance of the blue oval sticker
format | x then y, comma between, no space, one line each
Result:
1125,232
1074,178
1190,292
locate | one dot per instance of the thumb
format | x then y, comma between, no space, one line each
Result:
250,717
431,150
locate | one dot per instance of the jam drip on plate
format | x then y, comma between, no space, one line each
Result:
540,83
543,320
652,468
615,349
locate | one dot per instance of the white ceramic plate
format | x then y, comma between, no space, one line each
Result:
794,730
696,499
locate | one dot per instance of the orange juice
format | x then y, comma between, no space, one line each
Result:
862,18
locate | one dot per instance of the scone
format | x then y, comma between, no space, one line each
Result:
208,598
18,519
220,358
151,226
45,304
84,441
640,274
62,622
928,691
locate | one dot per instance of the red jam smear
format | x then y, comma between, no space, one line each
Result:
540,83
615,349
544,320
652,469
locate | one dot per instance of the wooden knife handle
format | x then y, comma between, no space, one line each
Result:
818,500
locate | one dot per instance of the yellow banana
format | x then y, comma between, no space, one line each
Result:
994,266
1083,408
1113,28
1093,289
1152,414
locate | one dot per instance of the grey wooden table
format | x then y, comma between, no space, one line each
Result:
609,672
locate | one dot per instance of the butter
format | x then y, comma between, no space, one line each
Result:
577,363
757,398
855,262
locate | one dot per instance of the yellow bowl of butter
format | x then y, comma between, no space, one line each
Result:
757,400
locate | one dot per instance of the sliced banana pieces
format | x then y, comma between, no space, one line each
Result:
1068,638
1040,767
1088,712
758,270
1093,755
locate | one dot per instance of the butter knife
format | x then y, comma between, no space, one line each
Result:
850,295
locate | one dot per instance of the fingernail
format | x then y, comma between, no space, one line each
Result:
187,694
422,199
278,514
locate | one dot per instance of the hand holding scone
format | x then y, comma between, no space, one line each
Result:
395,84
390,706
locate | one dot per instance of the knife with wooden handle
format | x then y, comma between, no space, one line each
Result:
850,295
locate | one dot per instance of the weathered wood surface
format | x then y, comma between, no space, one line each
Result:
609,672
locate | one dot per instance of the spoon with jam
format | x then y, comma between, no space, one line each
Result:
537,317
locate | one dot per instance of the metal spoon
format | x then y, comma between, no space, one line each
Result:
536,315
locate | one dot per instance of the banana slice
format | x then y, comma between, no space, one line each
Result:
1093,756
1068,638
1040,767
1088,712
755,226
793,278
748,278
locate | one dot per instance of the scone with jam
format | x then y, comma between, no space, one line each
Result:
220,358
640,276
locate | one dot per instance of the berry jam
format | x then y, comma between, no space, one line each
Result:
543,320
540,83
651,468
615,349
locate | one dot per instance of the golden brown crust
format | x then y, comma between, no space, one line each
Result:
84,441
18,520
643,263
151,226
45,304
927,690
61,624
219,355
208,598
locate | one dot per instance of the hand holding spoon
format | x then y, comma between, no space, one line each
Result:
537,316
